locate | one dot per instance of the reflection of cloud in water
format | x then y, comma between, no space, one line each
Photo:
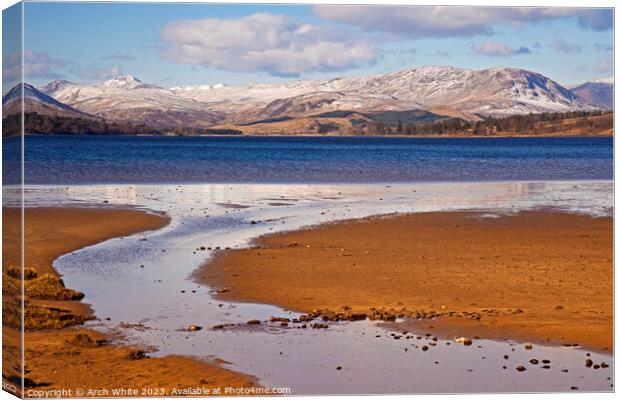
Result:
586,197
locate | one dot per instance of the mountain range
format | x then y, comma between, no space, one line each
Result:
599,92
38,102
413,94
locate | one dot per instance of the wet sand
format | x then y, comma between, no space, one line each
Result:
95,362
533,276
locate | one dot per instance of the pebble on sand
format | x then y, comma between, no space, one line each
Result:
464,340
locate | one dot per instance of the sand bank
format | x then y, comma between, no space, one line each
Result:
95,363
538,276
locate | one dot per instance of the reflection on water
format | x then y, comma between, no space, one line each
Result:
163,298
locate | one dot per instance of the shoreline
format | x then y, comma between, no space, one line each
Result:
97,204
57,313
446,136
304,270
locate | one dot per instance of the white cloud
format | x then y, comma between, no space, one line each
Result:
560,44
497,49
264,42
446,21
36,65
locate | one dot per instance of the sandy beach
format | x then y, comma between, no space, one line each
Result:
350,252
534,276
53,341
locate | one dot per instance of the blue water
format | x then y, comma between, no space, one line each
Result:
123,159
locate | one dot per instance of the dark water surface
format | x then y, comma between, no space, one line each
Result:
125,159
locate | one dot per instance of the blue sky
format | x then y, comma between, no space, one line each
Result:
176,44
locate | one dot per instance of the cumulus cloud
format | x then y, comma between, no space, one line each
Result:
560,44
276,44
448,21
37,65
497,49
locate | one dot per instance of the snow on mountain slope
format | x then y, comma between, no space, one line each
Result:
321,102
126,98
495,91
36,101
609,80
188,88
598,92
128,82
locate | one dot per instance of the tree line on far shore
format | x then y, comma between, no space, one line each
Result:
586,121
518,123
35,123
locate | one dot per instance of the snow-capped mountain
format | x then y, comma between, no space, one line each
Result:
609,79
496,91
126,98
189,88
36,101
127,82
598,92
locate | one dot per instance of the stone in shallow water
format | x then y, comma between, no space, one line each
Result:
465,341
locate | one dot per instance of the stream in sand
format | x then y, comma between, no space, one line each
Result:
143,284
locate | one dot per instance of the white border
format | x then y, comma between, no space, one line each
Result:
539,3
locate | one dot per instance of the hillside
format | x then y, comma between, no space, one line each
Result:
347,124
37,102
489,92
127,99
446,91
422,100
580,123
598,93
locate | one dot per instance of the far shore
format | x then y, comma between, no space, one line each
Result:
289,135
534,276
54,339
